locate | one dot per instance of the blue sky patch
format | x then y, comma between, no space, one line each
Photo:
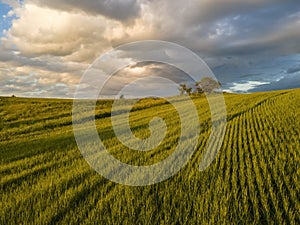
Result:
5,21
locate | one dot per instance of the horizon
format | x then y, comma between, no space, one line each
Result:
137,98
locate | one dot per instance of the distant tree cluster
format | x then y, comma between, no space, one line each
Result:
205,85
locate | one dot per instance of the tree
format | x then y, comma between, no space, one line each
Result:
189,91
198,88
183,89
209,84
205,85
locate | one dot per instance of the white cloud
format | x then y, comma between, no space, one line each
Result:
42,31
246,86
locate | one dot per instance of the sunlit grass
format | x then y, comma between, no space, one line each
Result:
255,178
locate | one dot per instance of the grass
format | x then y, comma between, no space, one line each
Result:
255,178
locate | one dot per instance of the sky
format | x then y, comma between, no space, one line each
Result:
46,46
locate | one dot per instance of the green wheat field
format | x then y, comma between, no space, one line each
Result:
255,178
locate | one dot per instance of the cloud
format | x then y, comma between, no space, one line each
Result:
230,27
122,10
246,86
12,3
152,75
214,27
22,81
57,40
294,69
287,82
43,31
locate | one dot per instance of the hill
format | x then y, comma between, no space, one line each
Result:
255,178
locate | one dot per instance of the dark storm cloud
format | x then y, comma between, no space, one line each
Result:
293,69
232,27
288,82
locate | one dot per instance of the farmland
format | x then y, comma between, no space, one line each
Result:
255,178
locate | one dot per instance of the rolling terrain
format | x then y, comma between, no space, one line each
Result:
255,178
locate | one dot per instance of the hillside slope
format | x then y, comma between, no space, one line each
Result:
255,178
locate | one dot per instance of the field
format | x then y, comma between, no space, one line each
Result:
255,178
